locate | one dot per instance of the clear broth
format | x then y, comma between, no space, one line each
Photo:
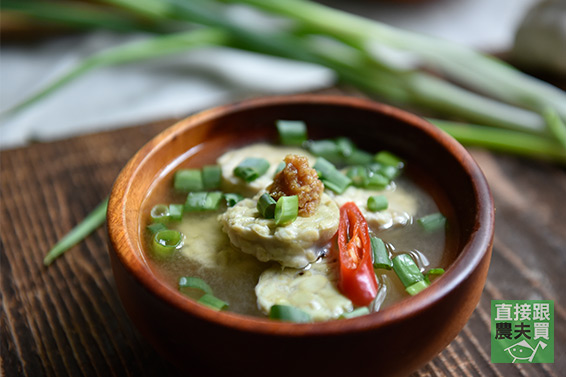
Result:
234,281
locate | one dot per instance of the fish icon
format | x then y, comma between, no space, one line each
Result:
524,351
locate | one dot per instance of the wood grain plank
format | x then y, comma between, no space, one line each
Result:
68,320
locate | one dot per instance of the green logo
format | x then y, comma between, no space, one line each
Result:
522,331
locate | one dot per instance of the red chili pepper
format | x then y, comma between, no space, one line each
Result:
357,278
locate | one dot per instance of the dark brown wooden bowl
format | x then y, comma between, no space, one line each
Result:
394,341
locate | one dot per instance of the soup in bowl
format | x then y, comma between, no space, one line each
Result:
256,235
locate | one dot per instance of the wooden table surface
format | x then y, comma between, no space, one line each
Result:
67,319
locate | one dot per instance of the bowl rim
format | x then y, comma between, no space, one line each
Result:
463,266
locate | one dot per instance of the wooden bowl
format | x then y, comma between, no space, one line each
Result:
394,341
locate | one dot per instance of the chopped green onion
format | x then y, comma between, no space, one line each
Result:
286,210
186,283
377,181
341,151
188,180
289,314
388,171
165,242
212,302
266,206
176,212
355,313
327,149
212,201
373,176
358,157
436,271
407,270
337,186
432,222
232,198
345,146
195,201
279,168
251,168
389,159
330,176
160,213
156,227
380,255
377,203
433,272
292,132
211,177
358,175
417,287
203,201
78,233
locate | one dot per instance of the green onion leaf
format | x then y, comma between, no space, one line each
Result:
166,242
188,180
286,210
432,222
266,206
331,177
160,213
555,125
417,287
251,168
90,223
292,132
407,270
81,15
355,313
377,203
186,283
211,177
212,302
380,255
176,212
156,227
212,201
232,199
289,314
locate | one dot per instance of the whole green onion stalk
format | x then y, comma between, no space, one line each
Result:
496,106
481,72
